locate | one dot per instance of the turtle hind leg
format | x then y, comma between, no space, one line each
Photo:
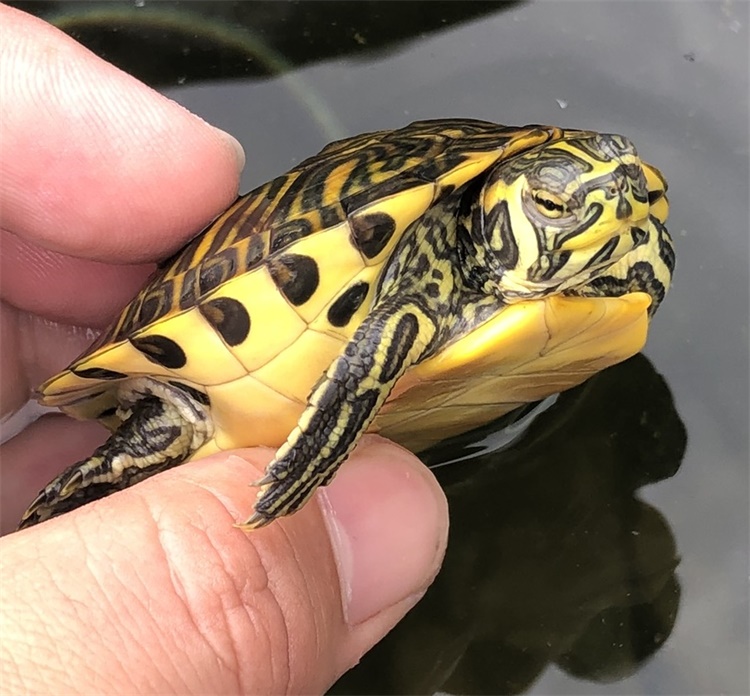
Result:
342,406
155,437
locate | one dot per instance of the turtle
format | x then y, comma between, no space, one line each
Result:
416,282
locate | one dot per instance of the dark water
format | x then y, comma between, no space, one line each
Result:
605,549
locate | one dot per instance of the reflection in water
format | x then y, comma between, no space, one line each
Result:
204,40
552,556
178,42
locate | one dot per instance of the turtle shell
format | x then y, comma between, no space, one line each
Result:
250,313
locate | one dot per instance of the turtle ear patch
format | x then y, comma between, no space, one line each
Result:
296,276
228,317
161,350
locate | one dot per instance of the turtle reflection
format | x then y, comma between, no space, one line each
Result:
553,558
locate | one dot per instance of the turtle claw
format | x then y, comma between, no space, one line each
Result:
33,515
51,500
71,485
257,521
42,508
266,480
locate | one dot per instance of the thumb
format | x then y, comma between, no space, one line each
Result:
154,589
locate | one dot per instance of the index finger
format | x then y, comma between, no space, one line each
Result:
94,163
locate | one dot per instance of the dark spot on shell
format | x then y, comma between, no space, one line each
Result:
188,291
372,232
220,268
161,350
256,249
275,187
296,276
437,274
127,324
330,216
221,234
210,278
229,317
283,235
342,310
156,304
97,373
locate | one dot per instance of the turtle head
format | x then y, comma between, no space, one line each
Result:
555,217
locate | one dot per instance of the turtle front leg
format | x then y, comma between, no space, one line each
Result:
342,405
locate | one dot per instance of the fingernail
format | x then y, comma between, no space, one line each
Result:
237,149
388,521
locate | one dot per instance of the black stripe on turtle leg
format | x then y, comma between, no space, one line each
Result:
341,408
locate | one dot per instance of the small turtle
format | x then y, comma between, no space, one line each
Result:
416,282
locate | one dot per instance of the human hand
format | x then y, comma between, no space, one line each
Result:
153,588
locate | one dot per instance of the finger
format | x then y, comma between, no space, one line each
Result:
64,288
190,603
95,164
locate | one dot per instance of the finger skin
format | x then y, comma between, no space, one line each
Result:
95,164
65,288
181,601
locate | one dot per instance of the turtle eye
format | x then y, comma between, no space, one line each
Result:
549,204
